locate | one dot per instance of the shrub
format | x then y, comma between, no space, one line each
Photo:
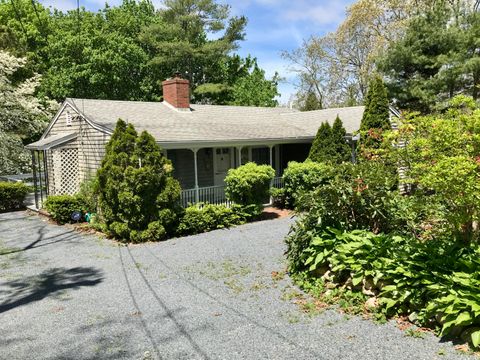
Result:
440,159
278,197
201,218
12,195
249,184
89,193
361,196
138,196
432,282
300,178
61,207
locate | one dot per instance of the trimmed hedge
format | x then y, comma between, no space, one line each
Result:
61,207
12,195
300,178
206,217
249,184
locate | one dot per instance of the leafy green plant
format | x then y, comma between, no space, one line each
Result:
356,197
278,197
61,207
249,184
89,193
440,158
300,178
433,282
12,195
202,217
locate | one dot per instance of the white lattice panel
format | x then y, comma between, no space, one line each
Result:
65,168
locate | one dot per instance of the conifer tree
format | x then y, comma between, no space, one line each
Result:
311,102
343,151
376,114
322,149
138,195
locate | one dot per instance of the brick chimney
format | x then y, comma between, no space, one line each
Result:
176,92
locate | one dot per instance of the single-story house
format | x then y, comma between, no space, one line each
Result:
202,141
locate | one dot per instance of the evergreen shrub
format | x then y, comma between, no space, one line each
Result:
330,144
138,197
61,207
322,149
12,195
376,116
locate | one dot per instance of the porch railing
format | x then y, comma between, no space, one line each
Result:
277,182
213,194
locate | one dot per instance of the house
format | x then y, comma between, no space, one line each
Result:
202,141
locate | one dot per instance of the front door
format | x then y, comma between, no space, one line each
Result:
222,163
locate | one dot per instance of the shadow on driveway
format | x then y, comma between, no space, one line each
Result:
44,241
49,282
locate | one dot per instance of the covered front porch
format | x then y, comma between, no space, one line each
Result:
201,171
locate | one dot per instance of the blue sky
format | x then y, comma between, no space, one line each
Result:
273,26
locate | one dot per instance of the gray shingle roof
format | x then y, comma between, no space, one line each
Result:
51,141
213,123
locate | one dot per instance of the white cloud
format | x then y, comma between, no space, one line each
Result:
326,13
63,5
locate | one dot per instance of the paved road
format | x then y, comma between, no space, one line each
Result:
65,295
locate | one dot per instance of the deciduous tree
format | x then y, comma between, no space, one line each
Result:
22,116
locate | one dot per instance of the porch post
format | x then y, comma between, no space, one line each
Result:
195,151
270,147
45,172
40,176
239,148
34,171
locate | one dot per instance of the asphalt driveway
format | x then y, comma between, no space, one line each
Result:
66,295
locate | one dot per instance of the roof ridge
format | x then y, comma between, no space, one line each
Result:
324,110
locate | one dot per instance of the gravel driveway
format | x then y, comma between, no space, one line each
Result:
65,295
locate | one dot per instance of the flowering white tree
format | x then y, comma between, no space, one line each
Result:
22,115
